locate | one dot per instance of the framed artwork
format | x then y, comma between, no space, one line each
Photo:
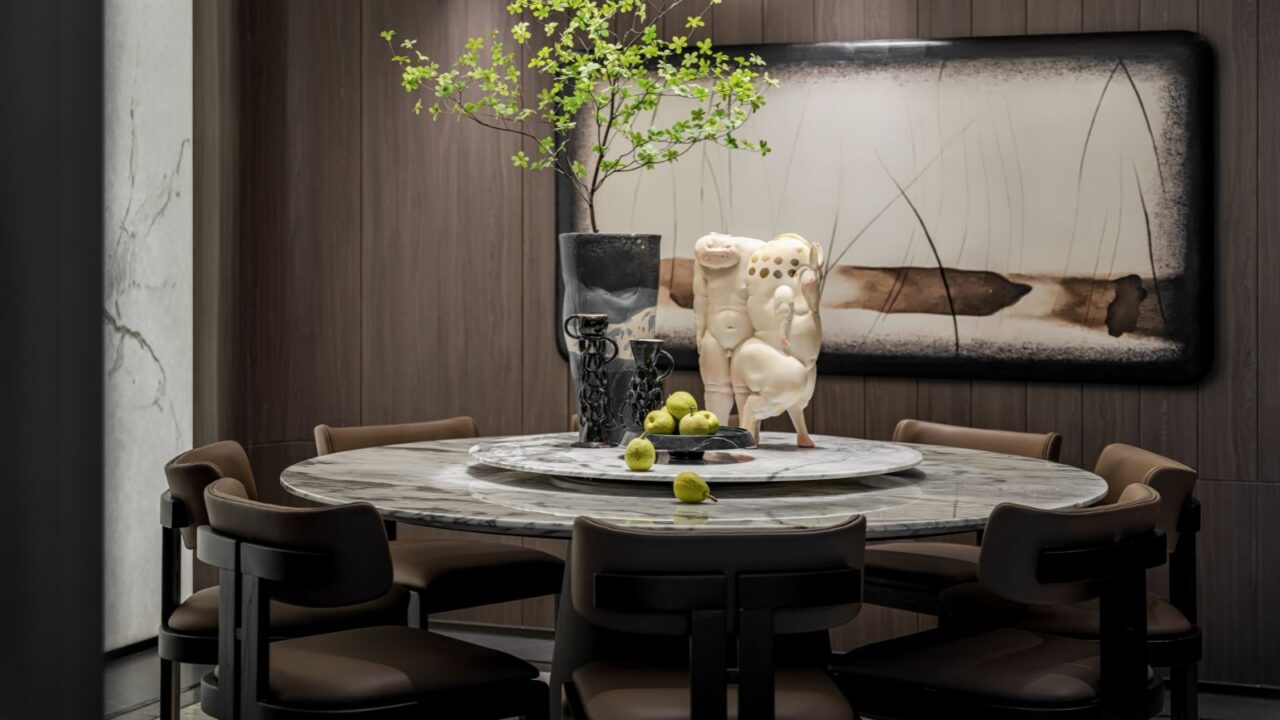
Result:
1019,208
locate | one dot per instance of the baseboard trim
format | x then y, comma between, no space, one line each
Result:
1267,692
517,630
130,649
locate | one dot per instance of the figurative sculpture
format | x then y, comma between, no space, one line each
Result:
721,322
764,326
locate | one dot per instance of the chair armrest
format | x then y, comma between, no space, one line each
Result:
799,589
660,593
173,513
1189,518
217,550
1102,562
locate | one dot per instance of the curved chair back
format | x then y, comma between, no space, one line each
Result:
194,470
351,535
1124,465
601,549
1045,446
1018,536
340,439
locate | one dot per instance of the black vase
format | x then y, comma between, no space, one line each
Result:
617,276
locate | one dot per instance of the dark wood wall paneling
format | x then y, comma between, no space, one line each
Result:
390,271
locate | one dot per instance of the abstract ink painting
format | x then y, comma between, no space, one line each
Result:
1020,208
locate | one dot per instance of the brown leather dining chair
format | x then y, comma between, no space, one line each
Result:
444,575
1173,638
334,557
1034,557
909,575
188,630
738,612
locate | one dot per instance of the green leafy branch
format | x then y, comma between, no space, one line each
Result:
603,60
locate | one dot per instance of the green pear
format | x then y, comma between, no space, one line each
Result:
689,487
680,404
640,455
659,422
695,424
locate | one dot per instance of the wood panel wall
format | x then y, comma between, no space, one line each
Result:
375,268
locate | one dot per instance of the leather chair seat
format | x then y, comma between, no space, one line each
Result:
935,565
198,614
453,574
1000,666
383,665
612,690
971,605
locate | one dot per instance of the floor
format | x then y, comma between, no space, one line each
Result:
132,682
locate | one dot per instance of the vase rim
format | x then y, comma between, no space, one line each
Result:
609,234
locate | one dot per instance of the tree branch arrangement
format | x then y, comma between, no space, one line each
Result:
603,60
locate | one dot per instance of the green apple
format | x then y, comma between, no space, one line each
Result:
712,421
640,455
689,487
680,404
695,424
659,422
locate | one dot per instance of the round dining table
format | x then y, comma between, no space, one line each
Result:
442,484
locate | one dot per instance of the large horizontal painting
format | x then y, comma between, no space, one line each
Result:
1030,207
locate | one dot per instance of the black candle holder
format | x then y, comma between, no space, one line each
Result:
595,352
644,394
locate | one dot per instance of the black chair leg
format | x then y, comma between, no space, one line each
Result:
170,689
539,702
417,618
1184,696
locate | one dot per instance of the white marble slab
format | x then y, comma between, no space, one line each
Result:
439,484
777,459
148,297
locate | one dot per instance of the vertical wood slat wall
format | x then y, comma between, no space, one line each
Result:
368,266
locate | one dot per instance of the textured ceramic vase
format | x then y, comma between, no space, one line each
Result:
617,276
644,392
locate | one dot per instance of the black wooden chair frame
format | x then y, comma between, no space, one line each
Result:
1119,569
1181,653
173,647
238,690
706,599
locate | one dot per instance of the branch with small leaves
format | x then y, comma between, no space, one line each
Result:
605,61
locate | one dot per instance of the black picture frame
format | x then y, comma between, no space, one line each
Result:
1189,52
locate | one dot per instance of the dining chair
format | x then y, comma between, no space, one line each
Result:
333,557
1173,637
909,575
1034,557
730,602
453,574
188,630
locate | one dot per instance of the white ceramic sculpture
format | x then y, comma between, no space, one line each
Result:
777,366
721,321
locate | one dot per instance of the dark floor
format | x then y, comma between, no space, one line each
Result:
132,683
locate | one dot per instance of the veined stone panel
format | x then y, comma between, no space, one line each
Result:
147,308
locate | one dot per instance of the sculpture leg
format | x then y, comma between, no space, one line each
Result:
750,417
802,430
713,364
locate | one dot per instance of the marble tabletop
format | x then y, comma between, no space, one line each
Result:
776,459
439,484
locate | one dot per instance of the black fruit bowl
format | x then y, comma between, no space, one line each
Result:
689,448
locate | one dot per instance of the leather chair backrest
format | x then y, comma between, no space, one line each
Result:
340,439
1124,465
352,535
1045,446
1016,535
600,547
194,470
